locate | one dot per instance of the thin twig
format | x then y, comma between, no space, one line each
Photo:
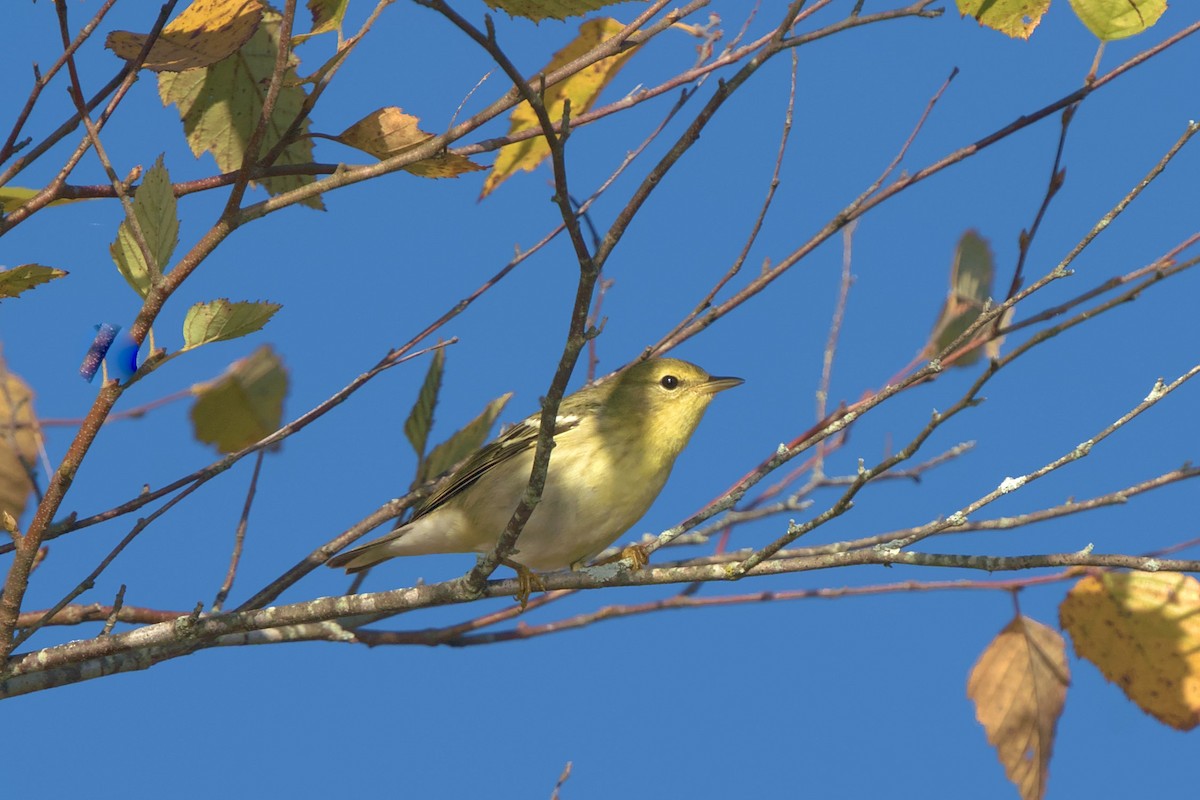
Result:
115,613
239,537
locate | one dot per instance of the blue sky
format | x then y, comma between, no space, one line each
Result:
842,698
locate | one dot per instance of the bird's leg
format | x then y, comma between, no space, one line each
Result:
528,582
635,553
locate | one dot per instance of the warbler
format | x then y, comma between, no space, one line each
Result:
614,445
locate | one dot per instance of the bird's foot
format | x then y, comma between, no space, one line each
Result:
528,582
637,554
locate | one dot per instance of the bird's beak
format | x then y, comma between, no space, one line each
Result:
717,384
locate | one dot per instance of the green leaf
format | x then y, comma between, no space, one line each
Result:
243,405
420,419
327,15
220,107
463,443
221,320
25,277
154,209
1117,19
971,277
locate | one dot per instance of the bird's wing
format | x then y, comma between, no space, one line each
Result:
516,440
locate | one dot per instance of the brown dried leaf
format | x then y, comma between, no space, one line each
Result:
1142,630
206,32
389,132
1019,686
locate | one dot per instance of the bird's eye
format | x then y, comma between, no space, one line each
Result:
669,382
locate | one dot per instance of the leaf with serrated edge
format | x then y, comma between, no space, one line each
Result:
462,444
17,427
389,131
538,10
1142,630
420,418
203,34
154,207
25,277
1013,18
220,106
243,405
582,89
1019,686
221,320
1118,19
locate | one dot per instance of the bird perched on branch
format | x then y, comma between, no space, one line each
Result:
614,445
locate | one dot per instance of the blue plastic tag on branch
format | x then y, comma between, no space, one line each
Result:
120,349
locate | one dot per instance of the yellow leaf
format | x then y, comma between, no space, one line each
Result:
327,15
13,197
220,106
206,32
18,442
389,132
1015,18
538,10
581,89
244,405
1019,686
1142,630
1117,19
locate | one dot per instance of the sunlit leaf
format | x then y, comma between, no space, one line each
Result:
203,34
154,209
13,197
220,320
463,443
582,89
327,15
1019,686
25,277
1015,18
538,10
18,442
220,106
1142,630
1117,19
389,132
420,418
243,405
